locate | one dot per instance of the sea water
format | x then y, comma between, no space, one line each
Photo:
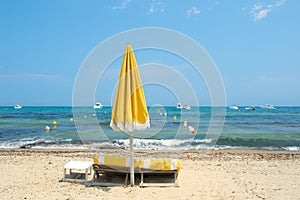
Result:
171,128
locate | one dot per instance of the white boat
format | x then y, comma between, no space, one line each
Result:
234,107
250,108
268,106
98,105
187,107
17,106
180,106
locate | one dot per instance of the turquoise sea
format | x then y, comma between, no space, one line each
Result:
85,127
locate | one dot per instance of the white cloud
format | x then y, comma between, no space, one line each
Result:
193,11
261,14
279,3
156,6
260,11
122,6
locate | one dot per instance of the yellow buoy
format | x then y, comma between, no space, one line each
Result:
175,118
47,128
54,123
71,119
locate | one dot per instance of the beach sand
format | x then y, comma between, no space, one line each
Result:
218,174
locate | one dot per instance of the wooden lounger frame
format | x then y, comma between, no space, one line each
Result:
105,169
147,171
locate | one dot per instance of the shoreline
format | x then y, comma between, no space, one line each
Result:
240,150
181,154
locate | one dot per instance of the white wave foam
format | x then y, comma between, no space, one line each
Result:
65,146
294,148
139,144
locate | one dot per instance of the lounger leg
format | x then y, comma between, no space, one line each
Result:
142,179
93,181
86,175
65,171
126,179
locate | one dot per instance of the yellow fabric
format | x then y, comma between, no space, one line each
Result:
152,163
161,164
141,164
179,164
129,109
114,161
96,161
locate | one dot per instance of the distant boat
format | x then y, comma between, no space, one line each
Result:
17,106
98,105
234,107
250,108
268,106
187,107
180,106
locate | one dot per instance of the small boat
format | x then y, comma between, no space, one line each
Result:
187,107
98,105
250,108
17,106
268,106
180,106
234,107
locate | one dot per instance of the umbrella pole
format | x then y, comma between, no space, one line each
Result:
131,160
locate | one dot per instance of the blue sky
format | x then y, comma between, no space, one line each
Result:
255,45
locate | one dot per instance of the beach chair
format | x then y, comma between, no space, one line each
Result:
162,168
108,167
157,171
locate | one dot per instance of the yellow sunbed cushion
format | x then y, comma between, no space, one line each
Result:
151,163
161,164
115,161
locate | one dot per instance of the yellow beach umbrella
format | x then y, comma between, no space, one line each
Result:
129,111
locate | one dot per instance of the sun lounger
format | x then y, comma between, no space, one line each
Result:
161,167
110,166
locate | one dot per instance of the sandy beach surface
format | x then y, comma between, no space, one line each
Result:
218,174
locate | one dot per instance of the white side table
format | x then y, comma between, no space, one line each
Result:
81,168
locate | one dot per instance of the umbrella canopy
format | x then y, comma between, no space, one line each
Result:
129,111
